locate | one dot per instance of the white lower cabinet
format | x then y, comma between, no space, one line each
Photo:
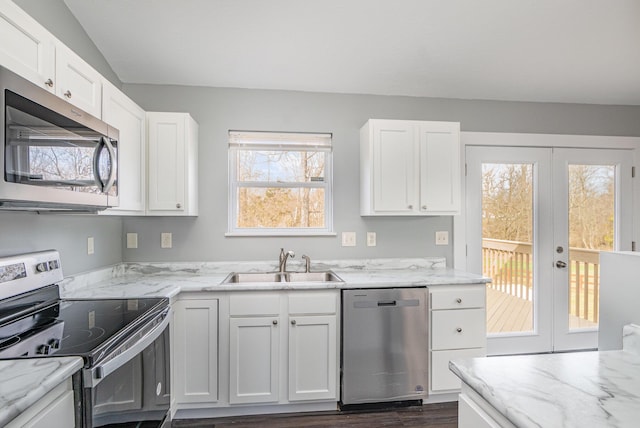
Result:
195,351
283,346
312,357
253,359
458,330
54,410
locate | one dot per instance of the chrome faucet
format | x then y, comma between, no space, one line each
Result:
282,266
307,265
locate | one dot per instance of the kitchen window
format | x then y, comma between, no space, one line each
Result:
280,184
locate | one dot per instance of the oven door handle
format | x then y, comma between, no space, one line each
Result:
94,376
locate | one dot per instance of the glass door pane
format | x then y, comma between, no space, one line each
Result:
507,243
591,230
590,216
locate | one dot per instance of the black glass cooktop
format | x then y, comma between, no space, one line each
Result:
89,323
72,327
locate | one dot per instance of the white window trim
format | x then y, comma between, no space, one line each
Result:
251,140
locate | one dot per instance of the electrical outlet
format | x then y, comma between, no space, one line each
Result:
442,238
348,239
371,239
132,240
165,240
90,245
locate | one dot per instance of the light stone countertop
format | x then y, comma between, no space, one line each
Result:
575,389
128,280
23,382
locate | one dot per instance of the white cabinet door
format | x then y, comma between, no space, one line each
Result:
195,345
78,82
443,379
172,164
394,167
439,167
26,48
312,357
123,114
409,168
253,359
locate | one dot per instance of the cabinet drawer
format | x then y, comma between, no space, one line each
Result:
443,379
254,304
458,297
313,303
458,329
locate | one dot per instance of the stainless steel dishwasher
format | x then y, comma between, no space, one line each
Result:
384,345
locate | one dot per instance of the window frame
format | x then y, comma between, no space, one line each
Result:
280,141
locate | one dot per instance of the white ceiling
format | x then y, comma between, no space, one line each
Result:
582,51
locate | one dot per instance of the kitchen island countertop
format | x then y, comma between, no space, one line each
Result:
132,280
574,389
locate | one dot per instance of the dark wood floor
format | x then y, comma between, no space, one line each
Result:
442,415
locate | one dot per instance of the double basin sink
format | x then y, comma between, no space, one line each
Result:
271,277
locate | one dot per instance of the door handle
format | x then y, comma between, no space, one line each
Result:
560,264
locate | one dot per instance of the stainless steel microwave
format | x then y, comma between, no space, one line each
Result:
55,156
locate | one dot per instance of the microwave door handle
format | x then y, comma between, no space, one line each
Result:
97,153
113,168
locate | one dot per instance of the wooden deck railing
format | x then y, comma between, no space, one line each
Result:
510,265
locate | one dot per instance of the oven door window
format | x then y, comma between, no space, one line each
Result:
43,148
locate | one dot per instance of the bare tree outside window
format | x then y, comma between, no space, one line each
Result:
280,182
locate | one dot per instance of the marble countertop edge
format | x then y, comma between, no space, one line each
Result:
25,381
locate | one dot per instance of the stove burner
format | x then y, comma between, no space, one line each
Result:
82,337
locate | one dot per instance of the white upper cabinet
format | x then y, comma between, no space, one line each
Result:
31,51
123,114
172,164
26,48
78,82
409,168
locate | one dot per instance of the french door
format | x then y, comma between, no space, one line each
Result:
537,219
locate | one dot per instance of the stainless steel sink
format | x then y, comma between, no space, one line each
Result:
238,277
326,276
272,277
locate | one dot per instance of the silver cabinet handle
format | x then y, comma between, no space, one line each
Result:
275,322
458,300
67,94
410,207
49,83
178,206
459,330
424,207
560,264
293,322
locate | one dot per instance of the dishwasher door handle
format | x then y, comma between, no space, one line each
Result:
387,303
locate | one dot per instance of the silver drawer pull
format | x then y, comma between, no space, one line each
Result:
67,94
293,322
459,330
275,322
49,83
458,300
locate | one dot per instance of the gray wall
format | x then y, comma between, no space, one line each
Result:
217,110
58,19
23,232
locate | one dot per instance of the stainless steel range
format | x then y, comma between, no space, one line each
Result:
124,342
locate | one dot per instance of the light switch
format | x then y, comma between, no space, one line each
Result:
442,238
348,239
371,239
90,245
